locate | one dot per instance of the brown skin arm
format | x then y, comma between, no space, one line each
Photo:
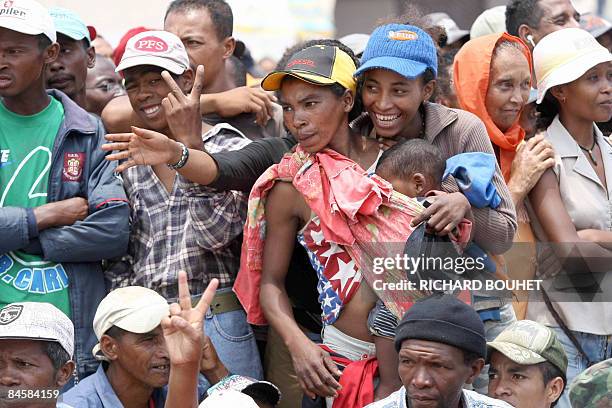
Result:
240,100
388,361
550,211
313,366
147,147
185,341
61,213
118,115
603,238
211,366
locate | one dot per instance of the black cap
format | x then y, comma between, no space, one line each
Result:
443,319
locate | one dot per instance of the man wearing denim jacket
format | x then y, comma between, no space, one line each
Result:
62,210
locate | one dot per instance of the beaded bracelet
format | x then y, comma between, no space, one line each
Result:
183,160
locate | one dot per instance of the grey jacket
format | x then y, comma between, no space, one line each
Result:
81,246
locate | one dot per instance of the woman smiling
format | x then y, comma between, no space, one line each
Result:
398,71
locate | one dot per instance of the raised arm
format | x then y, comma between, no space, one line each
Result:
231,170
118,115
244,99
184,335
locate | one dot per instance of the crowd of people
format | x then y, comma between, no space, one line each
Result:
183,227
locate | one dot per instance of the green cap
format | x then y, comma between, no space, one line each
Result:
526,342
593,386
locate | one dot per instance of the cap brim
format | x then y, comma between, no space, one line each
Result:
26,337
143,320
406,68
572,71
263,388
598,32
21,27
520,355
75,35
272,81
97,353
150,60
456,36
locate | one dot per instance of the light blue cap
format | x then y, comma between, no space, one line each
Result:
405,49
69,23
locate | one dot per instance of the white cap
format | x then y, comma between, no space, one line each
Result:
37,321
453,32
490,21
249,386
356,42
27,17
158,48
134,309
229,398
564,56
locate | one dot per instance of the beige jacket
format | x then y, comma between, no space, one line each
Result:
589,204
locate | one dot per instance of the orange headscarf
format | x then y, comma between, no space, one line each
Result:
471,77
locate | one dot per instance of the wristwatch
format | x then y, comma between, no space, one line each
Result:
183,160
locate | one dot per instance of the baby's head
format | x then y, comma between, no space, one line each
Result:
413,167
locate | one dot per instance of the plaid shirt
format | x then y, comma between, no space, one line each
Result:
194,228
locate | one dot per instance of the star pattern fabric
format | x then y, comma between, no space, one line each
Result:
338,275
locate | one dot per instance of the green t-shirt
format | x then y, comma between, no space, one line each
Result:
26,143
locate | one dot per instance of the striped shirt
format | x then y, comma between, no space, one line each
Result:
192,228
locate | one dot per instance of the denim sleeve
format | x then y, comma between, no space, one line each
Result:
14,229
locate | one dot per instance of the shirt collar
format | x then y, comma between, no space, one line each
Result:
104,389
565,145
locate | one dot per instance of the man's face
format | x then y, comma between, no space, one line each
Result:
146,89
144,357
21,62
556,15
69,71
519,385
24,364
197,32
434,373
103,84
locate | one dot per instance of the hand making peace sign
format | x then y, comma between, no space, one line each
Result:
183,111
147,147
183,330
